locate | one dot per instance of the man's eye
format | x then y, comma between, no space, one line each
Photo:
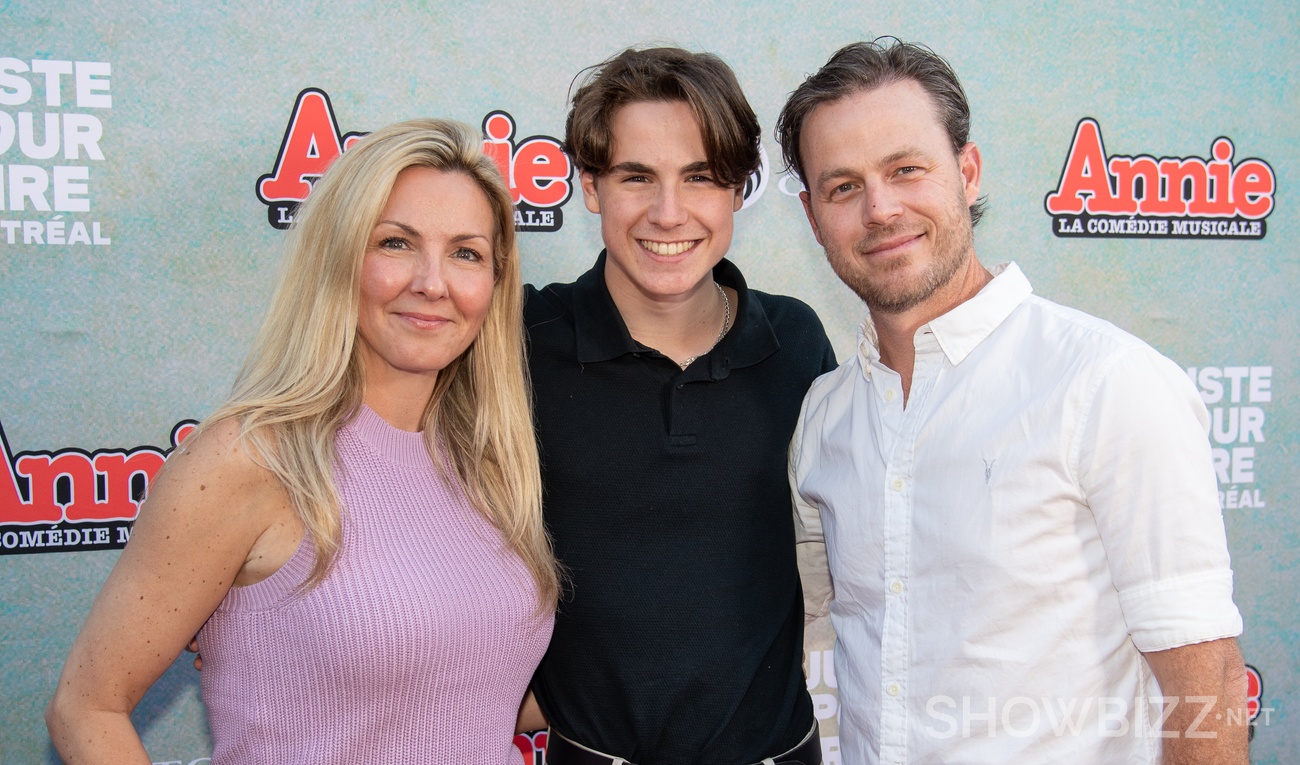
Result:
908,170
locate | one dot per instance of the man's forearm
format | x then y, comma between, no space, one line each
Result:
1204,721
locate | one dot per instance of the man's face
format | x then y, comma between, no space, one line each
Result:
666,222
887,198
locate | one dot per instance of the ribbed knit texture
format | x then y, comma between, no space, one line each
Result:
417,648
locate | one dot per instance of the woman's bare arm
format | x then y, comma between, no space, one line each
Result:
195,535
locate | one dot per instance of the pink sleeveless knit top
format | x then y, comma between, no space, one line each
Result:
417,647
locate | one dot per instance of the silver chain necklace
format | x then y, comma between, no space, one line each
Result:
726,325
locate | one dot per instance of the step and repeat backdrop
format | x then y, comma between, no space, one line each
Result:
151,155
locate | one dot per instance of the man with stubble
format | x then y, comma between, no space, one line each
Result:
1017,499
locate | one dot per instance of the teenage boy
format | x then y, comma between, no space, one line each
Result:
666,394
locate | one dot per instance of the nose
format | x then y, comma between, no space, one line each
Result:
668,209
427,278
880,204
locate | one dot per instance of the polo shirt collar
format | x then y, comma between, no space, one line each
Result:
751,338
959,331
600,332
602,335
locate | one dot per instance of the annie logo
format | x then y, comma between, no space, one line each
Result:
1254,692
311,144
535,168
532,746
1100,195
73,500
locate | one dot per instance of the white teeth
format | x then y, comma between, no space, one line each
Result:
666,249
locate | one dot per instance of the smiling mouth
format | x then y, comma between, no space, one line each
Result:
425,321
887,247
667,249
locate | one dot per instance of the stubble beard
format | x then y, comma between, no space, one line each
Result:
953,243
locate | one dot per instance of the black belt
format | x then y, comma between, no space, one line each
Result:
562,751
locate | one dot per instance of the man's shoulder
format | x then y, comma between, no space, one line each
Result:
1060,340
798,329
791,318
842,377
783,308
1073,330
547,303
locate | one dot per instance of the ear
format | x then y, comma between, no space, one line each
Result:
589,194
740,198
969,162
812,219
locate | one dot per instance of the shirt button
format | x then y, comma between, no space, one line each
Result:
897,485
891,394
896,587
892,689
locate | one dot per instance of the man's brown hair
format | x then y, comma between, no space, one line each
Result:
864,66
727,123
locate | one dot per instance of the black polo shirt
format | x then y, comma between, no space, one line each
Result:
680,639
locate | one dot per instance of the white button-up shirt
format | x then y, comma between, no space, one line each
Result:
1001,550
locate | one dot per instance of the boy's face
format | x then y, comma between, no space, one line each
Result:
666,222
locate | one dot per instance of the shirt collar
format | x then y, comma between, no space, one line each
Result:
960,330
602,335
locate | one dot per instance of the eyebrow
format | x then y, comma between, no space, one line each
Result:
902,154
410,231
464,237
632,167
639,169
898,156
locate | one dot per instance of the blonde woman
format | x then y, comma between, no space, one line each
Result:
358,530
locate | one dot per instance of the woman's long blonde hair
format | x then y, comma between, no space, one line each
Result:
303,378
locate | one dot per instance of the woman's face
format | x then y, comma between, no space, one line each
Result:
426,280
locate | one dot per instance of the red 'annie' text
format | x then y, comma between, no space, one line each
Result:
1093,183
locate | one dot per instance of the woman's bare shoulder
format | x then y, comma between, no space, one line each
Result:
217,472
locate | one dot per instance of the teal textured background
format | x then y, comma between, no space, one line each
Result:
110,346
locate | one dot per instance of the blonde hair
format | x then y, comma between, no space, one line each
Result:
303,378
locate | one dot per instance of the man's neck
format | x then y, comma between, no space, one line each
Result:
679,326
896,331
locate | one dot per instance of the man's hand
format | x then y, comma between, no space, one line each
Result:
1205,720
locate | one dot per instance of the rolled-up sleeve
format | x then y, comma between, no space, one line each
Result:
1146,469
